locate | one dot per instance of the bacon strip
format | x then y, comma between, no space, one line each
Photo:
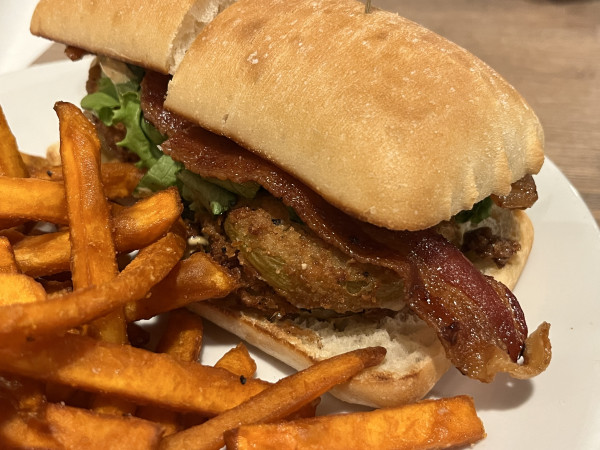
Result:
523,194
476,318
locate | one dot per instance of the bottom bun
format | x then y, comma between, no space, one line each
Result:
415,358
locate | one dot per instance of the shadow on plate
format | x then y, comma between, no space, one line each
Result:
503,393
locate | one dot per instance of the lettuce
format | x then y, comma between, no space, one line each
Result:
120,103
204,195
117,101
480,211
160,176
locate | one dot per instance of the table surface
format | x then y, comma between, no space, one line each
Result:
548,49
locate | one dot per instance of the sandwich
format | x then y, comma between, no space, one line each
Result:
362,177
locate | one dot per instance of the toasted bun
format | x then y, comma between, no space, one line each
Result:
414,127
415,360
153,33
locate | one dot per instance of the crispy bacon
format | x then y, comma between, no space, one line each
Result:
476,318
523,194
153,92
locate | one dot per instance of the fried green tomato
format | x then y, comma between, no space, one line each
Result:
302,268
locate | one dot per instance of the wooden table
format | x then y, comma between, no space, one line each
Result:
549,50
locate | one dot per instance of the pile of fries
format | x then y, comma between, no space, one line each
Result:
78,269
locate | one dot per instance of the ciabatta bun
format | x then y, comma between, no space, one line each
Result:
385,119
153,33
414,362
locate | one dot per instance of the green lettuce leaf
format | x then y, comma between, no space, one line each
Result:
119,103
480,211
160,176
205,195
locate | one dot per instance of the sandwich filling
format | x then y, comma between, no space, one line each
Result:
295,253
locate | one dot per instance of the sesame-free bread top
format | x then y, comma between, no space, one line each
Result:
151,33
385,119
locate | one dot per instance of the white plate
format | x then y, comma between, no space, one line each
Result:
560,409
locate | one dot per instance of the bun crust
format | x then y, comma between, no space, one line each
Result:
152,33
414,127
414,363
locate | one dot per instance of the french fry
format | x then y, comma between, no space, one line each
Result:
26,321
93,259
119,179
35,163
45,254
147,220
138,375
78,428
93,256
12,234
134,227
182,340
429,424
25,395
20,431
278,401
238,361
61,427
8,263
32,199
193,279
11,163
16,288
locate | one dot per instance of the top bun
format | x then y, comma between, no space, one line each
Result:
385,119
152,33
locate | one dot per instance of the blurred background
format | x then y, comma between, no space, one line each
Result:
548,49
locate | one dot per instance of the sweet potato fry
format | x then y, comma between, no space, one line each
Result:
11,163
19,431
118,178
25,395
21,322
279,400
92,249
79,428
134,227
93,256
61,427
8,263
428,424
13,235
16,288
32,199
135,374
193,279
147,220
182,340
45,254
238,361
35,163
